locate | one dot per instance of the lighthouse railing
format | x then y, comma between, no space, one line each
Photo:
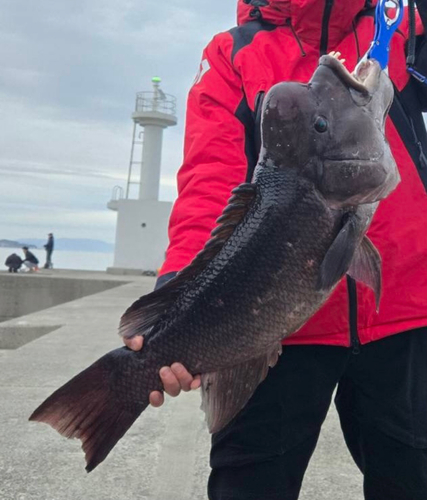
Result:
155,101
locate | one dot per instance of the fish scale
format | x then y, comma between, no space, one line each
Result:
254,247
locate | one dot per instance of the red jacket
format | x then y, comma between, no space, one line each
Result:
278,40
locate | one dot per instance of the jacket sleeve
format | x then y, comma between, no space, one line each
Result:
214,154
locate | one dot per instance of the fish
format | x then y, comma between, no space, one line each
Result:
282,244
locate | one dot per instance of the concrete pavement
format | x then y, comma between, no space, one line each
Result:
164,456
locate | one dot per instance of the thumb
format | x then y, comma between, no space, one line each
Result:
134,343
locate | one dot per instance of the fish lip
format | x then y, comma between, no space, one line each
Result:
371,159
364,78
369,181
339,206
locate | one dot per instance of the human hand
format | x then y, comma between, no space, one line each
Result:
175,378
337,55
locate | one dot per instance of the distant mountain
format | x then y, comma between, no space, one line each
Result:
16,244
75,244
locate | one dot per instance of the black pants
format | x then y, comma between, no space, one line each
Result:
48,263
382,403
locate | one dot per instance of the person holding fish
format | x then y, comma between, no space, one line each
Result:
380,377
315,151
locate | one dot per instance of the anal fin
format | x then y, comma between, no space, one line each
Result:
226,392
366,267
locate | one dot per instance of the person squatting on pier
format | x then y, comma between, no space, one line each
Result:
13,263
31,262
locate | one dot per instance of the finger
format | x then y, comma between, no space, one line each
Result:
135,343
170,382
184,377
337,55
156,399
196,383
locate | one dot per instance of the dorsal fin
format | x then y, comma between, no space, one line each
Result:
142,315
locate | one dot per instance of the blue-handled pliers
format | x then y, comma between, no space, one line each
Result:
385,26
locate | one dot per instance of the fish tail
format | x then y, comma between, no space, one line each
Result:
88,408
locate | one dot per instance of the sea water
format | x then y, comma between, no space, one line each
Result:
65,259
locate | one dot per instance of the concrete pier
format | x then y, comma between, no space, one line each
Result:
164,456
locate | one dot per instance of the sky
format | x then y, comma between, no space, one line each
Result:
70,71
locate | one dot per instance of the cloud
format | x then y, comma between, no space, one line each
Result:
70,71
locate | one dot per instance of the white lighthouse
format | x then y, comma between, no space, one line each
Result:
141,232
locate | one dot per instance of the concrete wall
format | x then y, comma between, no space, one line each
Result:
12,337
22,294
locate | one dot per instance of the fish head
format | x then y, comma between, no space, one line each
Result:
333,130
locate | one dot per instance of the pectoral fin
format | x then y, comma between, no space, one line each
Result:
353,253
226,392
340,254
366,267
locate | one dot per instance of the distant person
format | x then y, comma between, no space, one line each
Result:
30,260
13,262
49,250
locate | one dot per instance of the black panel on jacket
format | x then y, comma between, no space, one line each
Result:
408,120
243,35
246,117
252,123
421,67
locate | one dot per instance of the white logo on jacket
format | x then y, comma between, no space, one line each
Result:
204,68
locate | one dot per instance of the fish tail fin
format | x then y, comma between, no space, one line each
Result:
88,408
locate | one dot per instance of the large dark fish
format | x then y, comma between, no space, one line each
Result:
282,244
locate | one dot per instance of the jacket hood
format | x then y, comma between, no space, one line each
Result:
305,16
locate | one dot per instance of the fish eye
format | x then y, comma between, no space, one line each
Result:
321,124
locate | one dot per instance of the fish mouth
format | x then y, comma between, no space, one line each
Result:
364,79
371,160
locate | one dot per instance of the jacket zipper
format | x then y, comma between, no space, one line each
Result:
325,27
351,284
352,316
